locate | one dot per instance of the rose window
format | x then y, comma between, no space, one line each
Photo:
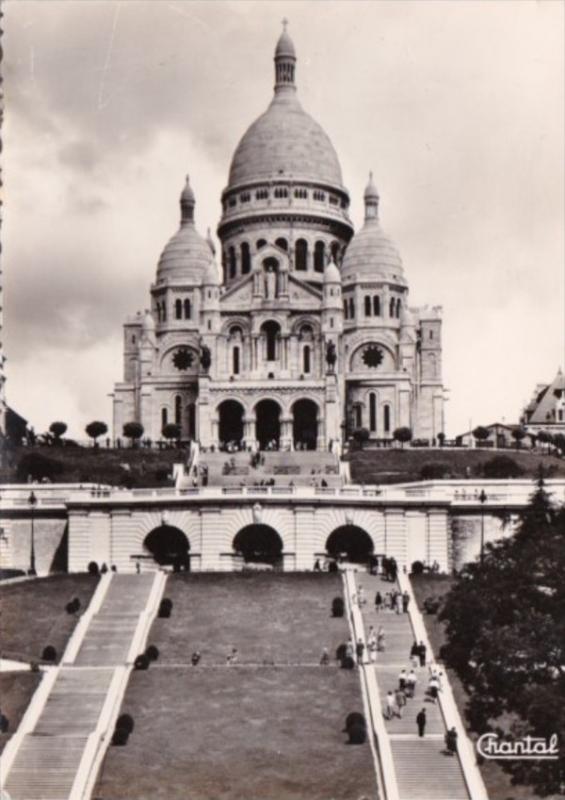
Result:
183,359
372,356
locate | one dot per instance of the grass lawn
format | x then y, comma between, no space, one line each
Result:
398,466
16,690
280,618
239,733
497,781
33,614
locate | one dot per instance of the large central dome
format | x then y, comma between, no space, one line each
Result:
285,142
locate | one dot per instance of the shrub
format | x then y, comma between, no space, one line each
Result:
93,568
340,652
355,718
120,737
96,429
141,662
402,435
165,607
4,723
357,734
125,722
432,604
417,568
133,431
38,467
337,607
501,467
73,606
347,663
152,652
49,653
434,471
361,435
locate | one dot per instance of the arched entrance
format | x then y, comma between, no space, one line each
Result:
305,424
231,422
168,546
268,424
352,542
259,544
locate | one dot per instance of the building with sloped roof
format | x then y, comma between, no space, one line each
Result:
305,333
546,409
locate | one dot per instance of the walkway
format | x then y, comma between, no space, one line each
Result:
47,763
423,770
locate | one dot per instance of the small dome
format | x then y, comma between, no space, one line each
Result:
371,254
285,46
371,192
210,276
331,273
187,195
148,321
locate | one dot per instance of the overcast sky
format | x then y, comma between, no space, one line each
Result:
457,107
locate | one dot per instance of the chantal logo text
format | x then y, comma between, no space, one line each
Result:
530,747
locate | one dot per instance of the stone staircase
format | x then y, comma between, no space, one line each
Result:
48,762
282,466
423,769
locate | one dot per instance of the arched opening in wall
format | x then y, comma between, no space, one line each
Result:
260,243
164,417
271,331
187,309
319,256
336,251
372,412
367,306
245,259
398,306
391,307
232,262
259,544
282,243
178,309
168,546
305,424
268,424
358,415
178,410
351,308
386,418
377,305
191,414
306,360
301,255
350,542
231,422
235,361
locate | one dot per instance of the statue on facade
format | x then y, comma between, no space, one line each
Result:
331,355
205,358
270,283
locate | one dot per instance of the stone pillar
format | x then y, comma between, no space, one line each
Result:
215,431
286,433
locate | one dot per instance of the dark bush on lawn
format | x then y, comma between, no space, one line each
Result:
434,471
337,607
355,718
73,606
49,653
38,467
120,737
501,467
141,662
432,604
93,568
125,722
347,662
340,652
4,723
357,734
152,652
417,568
165,607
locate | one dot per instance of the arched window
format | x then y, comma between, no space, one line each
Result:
305,332
164,417
306,360
260,243
271,330
164,311
391,307
235,360
367,306
386,418
178,309
245,259
335,252
232,262
345,309
235,332
377,306
319,256
187,308
282,243
358,416
398,304
192,420
178,409
301,255
372,412
351,308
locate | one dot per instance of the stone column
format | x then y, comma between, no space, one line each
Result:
286,433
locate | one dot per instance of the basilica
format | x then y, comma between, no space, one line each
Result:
306,335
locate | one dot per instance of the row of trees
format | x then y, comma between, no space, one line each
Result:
131,430
481,434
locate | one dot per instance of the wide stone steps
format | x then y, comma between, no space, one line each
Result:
45,768
425,772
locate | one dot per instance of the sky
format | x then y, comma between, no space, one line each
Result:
457,107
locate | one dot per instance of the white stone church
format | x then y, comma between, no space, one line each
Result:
307,334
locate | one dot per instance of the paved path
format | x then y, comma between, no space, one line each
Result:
47,761
423,770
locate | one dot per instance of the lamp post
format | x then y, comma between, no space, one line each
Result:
482,500
32,501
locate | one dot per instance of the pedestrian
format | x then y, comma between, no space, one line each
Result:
414,655
381,640
399,603
372,648
232,657
325,659
402,679
421,722
195,658
390,705
405,602
411,681
378,602
361,600
349,649
400,699
360,650
451,741
422,654
433,688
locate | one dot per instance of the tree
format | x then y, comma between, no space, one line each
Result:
58,429
518,434
96,429
441,439
171,431
361,435
481,433
501,467
506,635
402,435
545,437
133,431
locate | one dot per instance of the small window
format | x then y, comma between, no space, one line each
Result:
306,360
245,259
235,361
333,200
178,309
431,334
377,306
301,194
301,255
331,322
386,419
372,412
261,194
358,416
133,339
319,256
164,311
178,409
351,308
245,197
164,417
232,202
281,192
261,243
345,309
320,196
187,308
232,262
367,306
391,307
282,243
398,306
